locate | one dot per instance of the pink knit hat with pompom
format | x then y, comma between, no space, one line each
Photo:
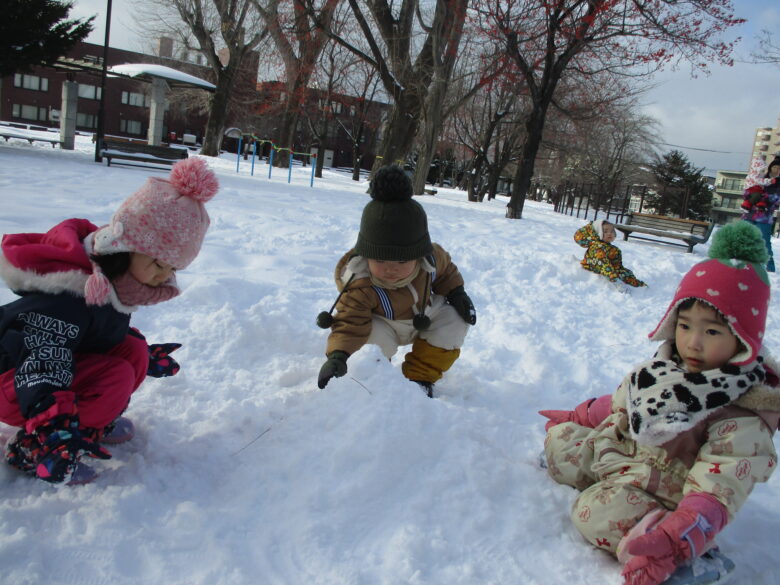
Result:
165,219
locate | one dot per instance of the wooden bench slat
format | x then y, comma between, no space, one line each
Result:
134,151
690,231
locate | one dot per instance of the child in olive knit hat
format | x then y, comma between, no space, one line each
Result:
397,288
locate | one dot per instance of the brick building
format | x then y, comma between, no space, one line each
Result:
344,126
35,97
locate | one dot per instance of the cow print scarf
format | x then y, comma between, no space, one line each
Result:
665,400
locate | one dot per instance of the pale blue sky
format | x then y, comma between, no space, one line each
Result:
720,112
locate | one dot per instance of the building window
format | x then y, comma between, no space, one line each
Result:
352,111
134,99
29,112
89,92
31,82
130,126
732,184
335,107
86,120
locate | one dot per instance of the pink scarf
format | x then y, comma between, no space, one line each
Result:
132,292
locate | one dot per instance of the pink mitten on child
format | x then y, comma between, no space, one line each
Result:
587,414
656,548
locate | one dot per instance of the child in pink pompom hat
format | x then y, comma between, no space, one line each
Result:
69,360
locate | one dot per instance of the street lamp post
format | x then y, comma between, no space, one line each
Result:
101,108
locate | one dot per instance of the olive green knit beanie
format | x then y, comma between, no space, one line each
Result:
394,227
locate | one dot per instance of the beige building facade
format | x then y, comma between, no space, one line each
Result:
766,144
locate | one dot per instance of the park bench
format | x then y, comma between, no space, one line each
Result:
29,137
690,231
141,153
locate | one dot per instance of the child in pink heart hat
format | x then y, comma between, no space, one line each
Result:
667,461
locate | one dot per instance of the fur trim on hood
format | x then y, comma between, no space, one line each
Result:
70,275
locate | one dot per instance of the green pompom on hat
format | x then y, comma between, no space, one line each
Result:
394,226
734,282
741,240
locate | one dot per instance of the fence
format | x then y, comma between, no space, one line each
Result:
588,199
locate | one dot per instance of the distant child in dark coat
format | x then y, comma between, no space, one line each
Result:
69,360
665,462
397,288
602,257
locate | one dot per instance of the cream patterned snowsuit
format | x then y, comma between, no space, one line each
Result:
621,480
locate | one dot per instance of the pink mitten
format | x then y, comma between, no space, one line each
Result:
587,414
681,535
556,417
647,570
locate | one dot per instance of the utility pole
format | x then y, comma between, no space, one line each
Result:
102,108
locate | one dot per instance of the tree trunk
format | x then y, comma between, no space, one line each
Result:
321,155
218,112
525,169
473,177
356,158
400,130
431,129
285,135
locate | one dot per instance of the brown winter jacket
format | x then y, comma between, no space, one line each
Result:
352,321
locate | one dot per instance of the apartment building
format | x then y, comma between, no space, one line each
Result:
766,143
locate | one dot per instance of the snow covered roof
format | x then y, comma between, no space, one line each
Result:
148,71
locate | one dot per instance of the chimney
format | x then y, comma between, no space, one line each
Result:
165,47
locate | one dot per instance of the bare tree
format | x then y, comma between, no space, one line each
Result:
768,49
406,50
442,64
299,43
224,32
362,84
546,39
611,146
489,126
322,116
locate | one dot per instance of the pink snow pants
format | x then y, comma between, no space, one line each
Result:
102,384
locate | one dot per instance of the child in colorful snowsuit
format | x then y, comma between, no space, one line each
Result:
69,360
667,460
760,200
602,257
397,288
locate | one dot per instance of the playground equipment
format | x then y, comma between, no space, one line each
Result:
274,149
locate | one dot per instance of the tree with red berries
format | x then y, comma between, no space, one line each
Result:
544,41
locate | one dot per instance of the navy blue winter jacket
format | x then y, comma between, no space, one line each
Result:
39,335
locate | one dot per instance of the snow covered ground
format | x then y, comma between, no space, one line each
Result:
244,473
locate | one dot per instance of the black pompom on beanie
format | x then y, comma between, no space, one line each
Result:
394,227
